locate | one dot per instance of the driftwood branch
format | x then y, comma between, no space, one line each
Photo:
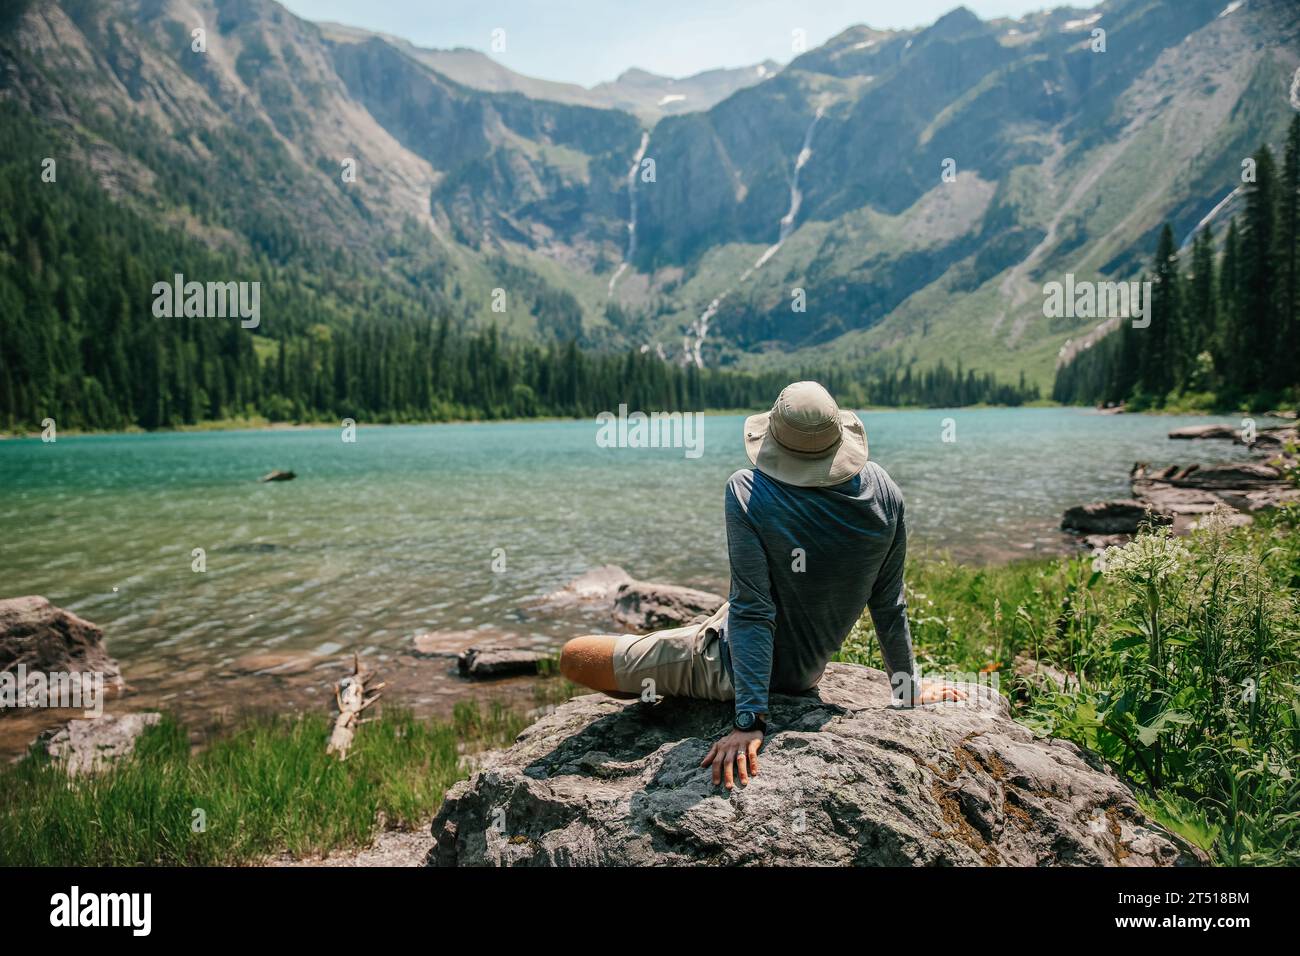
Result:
350,696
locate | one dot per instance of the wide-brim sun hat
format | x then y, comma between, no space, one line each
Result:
806,439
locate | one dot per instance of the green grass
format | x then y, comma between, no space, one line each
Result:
265,787
1187,656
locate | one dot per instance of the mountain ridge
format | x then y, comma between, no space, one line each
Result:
825,176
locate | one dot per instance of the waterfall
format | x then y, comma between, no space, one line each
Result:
796,195
700,329
630,250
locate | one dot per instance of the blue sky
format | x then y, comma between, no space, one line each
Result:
587,41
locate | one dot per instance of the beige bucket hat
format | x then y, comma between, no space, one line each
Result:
806,439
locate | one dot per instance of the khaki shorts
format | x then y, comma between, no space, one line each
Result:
681,661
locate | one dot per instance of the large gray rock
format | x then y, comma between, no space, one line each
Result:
647,606
845,779
49,639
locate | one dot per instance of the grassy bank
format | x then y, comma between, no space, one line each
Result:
1184,656
264,787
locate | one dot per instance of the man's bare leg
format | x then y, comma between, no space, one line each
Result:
589,661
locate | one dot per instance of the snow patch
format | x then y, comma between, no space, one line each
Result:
1080,24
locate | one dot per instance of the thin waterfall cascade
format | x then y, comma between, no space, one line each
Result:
630,249
699,330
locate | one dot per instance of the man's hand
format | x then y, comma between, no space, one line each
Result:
739,749
932,693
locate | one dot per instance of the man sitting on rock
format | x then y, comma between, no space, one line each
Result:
815,534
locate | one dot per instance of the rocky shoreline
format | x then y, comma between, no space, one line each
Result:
39,638
1179,496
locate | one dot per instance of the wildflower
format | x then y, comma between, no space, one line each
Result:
1148,558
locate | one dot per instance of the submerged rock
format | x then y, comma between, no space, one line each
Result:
845,779
482,663
1205,431
278,476
48,639
87,746
597,586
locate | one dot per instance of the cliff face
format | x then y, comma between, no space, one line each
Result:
845,779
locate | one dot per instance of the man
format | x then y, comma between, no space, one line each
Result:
815,534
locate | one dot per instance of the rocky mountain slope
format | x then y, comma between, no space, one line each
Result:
693,235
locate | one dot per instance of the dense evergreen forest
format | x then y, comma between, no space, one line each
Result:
80,343
1224,325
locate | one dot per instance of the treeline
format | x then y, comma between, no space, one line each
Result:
80,343
1224,327
939,386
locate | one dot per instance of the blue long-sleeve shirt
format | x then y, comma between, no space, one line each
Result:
805,562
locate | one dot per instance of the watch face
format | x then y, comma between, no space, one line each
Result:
745,720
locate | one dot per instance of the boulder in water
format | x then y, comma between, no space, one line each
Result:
499,662
635,605
646,606
597,586
46,638
1205,431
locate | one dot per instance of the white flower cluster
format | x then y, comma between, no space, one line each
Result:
1148,557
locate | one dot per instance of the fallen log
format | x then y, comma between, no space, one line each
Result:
350,695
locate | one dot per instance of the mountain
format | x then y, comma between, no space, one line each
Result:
820,180
651,96
1066,160
647,95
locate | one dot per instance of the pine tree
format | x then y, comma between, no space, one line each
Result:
1289,254
1200,306
1256,333
1159,343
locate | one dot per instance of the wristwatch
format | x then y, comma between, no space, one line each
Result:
748,721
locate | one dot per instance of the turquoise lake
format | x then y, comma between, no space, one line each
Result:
394,535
